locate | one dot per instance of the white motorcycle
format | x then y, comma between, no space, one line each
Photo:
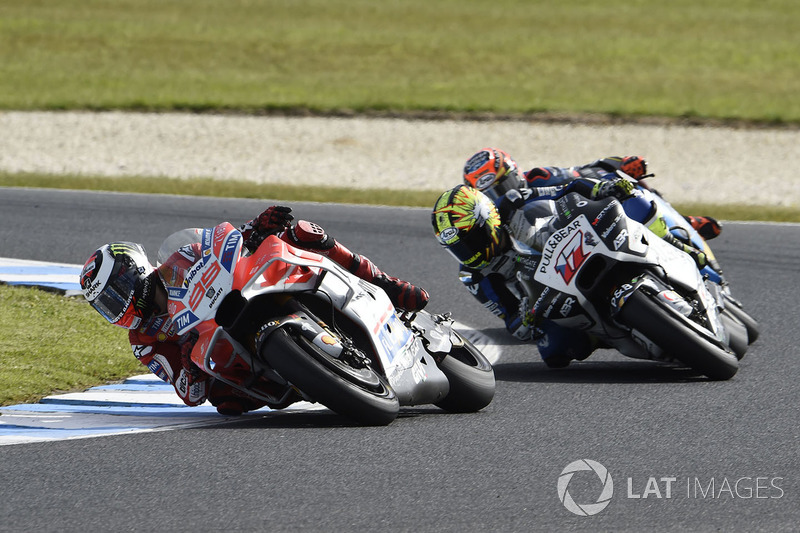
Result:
606,274
284,324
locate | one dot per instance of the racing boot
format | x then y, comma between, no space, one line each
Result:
558,346
403,294
700,258
228,402
656,223
707,227
230,408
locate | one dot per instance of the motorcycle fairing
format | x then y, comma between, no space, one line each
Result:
278,267
204,282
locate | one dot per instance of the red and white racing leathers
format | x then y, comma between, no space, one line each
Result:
157,347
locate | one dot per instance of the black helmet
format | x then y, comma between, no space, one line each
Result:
467,224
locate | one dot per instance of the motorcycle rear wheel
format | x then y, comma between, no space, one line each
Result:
471,378
360,394
677,338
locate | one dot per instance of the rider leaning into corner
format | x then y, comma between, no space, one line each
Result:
122,285
477,220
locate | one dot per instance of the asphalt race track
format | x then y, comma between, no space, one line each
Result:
683,453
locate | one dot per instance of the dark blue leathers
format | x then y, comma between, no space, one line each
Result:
527,214
528,220
644,205
639,207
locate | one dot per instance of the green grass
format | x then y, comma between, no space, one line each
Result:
724,59
222,188
49,343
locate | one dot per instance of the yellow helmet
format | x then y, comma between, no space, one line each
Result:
467,224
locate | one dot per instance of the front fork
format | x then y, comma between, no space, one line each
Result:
302,321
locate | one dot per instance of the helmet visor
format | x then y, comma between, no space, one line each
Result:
117,295
506,183
475,248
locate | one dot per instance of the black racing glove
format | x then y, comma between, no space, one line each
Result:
619,188
273,220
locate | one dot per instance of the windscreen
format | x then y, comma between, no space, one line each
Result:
177,254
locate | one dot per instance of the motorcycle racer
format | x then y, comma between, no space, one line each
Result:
497,175
121,284
494,172
486,238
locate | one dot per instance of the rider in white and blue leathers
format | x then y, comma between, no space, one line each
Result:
524,202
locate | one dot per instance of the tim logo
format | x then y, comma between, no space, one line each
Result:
571,258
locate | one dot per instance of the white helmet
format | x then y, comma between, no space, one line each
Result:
119,282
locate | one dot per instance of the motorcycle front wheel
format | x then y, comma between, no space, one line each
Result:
360,394
677,337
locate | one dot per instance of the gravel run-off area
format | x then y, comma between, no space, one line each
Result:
710,164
